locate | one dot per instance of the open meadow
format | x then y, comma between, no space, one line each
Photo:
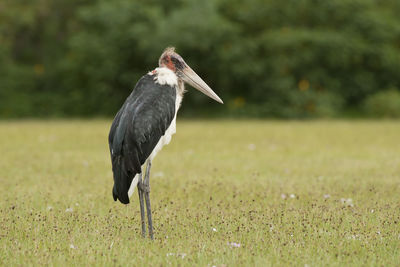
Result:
224,193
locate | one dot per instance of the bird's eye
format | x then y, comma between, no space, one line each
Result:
177,63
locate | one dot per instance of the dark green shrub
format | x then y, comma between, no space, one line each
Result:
383,104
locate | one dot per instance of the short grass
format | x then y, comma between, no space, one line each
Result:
224,193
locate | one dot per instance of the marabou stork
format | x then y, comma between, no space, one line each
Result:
145,123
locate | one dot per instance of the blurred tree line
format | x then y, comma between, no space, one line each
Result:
265,58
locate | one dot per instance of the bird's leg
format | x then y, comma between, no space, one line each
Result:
141,200
147,196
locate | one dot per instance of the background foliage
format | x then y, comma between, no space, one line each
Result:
265,58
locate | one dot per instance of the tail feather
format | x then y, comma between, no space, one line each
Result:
122,181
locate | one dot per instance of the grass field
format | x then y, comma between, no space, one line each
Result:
224,193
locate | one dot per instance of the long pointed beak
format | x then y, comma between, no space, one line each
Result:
190,77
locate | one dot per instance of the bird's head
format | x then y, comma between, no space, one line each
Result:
171,60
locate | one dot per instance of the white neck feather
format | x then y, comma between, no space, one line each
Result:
165,76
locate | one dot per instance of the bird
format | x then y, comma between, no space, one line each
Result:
145,123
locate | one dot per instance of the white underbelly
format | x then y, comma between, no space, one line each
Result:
165,139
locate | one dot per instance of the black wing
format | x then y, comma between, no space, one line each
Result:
136,130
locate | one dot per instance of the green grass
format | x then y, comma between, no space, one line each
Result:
276,188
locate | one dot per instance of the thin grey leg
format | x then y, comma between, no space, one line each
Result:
147,196
141,200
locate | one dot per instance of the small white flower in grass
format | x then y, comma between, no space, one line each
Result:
372,211
251,147
326,196
292,196
350,202
215,230
69,210
181,255
283,196
234,245
354,237
347,202
72,246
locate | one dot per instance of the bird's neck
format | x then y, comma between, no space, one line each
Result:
180,89
165,76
